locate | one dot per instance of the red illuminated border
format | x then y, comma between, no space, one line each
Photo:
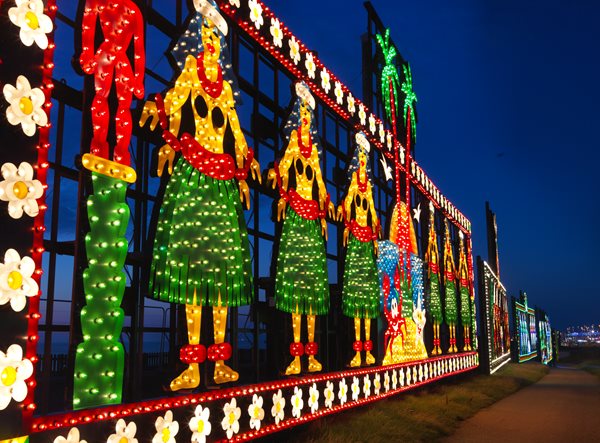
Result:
262,36
144,413
33,315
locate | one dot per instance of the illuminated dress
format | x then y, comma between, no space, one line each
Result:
201,252
360,293
302,286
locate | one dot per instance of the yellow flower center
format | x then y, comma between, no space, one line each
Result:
9,376
20,189
15,280
166,435
231,418
256,412
26,105
200,426
123,440
32,21
278,407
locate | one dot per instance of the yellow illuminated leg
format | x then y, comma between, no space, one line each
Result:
223,373
435,338
313,364
454,349
294,367
355,362
468,338
369,359
190,378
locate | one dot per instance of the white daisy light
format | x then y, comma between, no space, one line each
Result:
362,115
372,126
310,66
277,411
297,402
325,81
339,94
294,50
25,105
14,370
402,376
386,381
355,388
276,32
72,437
15,280
200,424
20,190
329,395
235,3
351,104
256,412
29,16
394,379
377,384
166,429
343,391
125,433
313,398
256,13
230,422
367,386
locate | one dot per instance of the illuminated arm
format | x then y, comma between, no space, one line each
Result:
88,35
139,56
374,219
291,152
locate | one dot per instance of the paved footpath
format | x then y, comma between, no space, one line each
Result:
562,407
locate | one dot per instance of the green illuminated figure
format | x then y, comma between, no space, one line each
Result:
301,285
450,284
409,98
389,77
360,293
434,305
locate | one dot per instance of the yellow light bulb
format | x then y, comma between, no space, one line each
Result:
15,280
9,376
31,20
25,105
20,190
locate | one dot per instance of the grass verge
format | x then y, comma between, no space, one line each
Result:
427,414
585,358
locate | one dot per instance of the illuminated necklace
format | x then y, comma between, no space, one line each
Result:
215,88
304,149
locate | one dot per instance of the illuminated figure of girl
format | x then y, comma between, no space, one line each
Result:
360,294
465,296
450,284
201,251
435,301
302,286
121,23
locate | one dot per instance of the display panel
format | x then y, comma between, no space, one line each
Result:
163,205
525,329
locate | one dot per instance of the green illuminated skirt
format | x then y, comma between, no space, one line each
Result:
465,306
450,305
434,299
360,295
301,284
201,242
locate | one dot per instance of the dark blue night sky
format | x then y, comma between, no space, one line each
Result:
508,106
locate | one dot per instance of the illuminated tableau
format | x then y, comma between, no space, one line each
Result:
183,244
